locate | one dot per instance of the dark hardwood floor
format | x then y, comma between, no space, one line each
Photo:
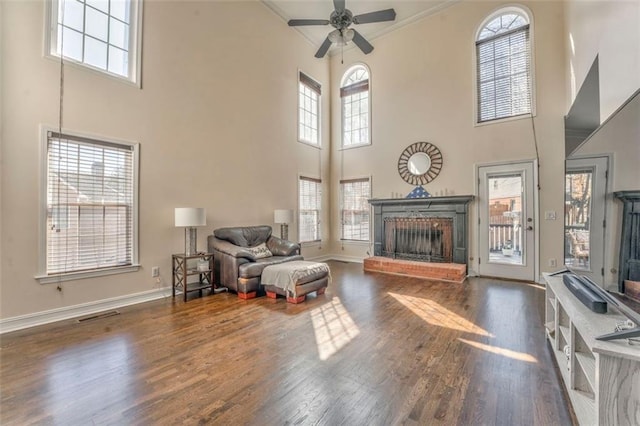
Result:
374,350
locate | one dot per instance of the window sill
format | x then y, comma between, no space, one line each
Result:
311,144
360,145
310,243
505,119
72,276
131,81
356,242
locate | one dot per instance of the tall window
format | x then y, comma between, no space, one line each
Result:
503,54
309,207
90,205
100,34
354,209
354,92
309,92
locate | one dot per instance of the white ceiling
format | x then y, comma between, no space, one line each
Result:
407,11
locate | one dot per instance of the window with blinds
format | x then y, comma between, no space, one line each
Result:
309,209
90,204
100,34
309,92
354,93
503,54
354,209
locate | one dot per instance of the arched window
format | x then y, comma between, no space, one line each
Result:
503,55
354,93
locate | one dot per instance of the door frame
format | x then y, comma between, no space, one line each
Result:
608,184
536,212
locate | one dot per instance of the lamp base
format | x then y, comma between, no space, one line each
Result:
190,241
284,231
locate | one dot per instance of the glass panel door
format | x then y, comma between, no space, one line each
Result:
505,219
577,218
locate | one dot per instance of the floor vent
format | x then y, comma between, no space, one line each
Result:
98,316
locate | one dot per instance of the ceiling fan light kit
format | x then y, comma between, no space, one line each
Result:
341,18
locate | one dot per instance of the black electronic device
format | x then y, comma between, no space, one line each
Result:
583,291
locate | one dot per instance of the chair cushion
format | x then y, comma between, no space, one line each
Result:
248,236
254,269
260,251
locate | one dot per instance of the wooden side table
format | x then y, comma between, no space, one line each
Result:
182,271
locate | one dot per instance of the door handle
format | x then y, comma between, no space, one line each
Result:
529,228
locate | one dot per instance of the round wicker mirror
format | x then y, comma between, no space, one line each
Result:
420,163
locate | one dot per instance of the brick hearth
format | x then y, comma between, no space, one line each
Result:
454,272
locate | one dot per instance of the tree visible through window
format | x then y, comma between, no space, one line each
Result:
90,204
354,93
354,209
309,208
101,34
503,55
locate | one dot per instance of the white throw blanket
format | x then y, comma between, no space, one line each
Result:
285,275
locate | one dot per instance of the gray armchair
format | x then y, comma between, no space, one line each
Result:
240,254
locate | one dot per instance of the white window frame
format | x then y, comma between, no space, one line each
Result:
341,208
42,276
318,181
522,10
343,83
302,110
135,43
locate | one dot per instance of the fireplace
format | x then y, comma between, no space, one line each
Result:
629,269
424,229
418,238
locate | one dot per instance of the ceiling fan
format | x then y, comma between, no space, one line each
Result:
340,19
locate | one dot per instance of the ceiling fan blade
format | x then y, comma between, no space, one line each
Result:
302,22
323,49
362,43
379,16
338,4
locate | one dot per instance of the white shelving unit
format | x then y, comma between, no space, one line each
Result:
602,378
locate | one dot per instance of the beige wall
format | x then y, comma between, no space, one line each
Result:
609,29
215,119
422,89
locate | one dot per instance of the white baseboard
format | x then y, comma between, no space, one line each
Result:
40,318
350,259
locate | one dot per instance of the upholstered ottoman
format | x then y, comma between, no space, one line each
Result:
295,279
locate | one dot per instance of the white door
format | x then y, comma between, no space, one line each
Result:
584,216
506,221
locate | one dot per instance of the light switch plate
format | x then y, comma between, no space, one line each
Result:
550,215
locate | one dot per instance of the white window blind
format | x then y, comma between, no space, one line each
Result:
101,34
309,92
354,209
90,204
355,107
504,68
310,197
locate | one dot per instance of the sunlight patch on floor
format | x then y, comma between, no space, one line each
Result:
520,356
333,328
436,314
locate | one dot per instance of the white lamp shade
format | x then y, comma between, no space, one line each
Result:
191,216
283,216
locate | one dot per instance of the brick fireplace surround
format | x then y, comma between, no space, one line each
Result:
419,265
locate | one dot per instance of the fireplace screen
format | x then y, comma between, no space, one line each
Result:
428,239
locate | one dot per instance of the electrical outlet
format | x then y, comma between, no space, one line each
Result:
155,272
552,263
550,215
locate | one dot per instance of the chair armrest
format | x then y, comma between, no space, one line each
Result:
231,249
279,247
